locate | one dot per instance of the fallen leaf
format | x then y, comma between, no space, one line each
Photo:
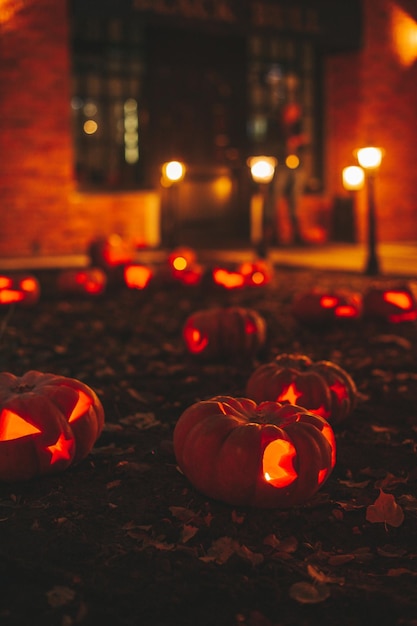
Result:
306,593
60,596
386,510
320,577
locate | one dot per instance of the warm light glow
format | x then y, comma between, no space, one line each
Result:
346,310
370,157
278,463
179,263
173,171
292,161
262,168
328,302
250,327
90,127
340,391
82,407
230,280
328,434
5,281
353,177
61,449
91,282
290,394
195,340
401,299
8,10
258,278
137,276
29,284
8,296
222,187
404,34
12,426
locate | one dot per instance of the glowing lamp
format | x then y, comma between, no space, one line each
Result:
268,455
22,289
90,282
318,307
172,172
369,158
393,304
321,387
224,333
262,168
47,423
257,273
353,178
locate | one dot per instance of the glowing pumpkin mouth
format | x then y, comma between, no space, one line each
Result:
196,341
277,463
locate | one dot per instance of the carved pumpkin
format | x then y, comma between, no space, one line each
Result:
184,266
224,332
316,307
91,281
322,387
47,423
393,304
266,455
247,274
111,252
20,288
137,276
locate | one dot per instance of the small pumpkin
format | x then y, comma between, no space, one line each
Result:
111,252
47,423
322,387
315,307
137,276
265,455
90,281
396,303
224,332
20,288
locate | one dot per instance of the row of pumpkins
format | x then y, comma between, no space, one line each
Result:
395,303
275,447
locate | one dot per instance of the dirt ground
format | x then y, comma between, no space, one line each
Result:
124,539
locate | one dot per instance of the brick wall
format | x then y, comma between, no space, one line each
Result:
371,98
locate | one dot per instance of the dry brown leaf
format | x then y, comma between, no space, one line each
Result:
306,593
385,510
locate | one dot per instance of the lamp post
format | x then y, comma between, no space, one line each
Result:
369,159
262,169
173,172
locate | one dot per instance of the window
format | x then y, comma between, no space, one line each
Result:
107,105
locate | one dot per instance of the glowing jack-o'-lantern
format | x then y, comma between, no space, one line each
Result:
19,288
322,387
265,455
228,278
137,276
316,307
256,274
247,274
47,423
393,304
184,266
111,252
91,281
228,332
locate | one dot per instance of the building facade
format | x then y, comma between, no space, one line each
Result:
97,96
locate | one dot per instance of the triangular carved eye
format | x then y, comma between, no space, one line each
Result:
81,408
12,426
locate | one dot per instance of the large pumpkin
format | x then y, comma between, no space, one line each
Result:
321,387
224,332
243,453
319,307
47,422
396,303
19,288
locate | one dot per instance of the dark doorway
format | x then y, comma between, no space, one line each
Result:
197,114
